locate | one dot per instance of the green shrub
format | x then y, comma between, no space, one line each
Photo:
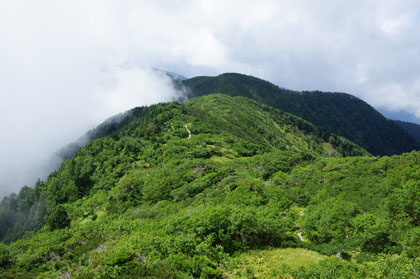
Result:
59,218
5,257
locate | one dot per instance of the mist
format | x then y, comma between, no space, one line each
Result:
36,131
67,66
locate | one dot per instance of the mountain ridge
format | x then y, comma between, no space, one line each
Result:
268,129
339,113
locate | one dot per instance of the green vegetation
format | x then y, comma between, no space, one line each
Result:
265,263
339,113
216,187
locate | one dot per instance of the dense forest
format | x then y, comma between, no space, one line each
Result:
339,113
216,187
411,128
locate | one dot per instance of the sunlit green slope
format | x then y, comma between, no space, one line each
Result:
217,187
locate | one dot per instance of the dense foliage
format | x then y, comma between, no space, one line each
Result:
215,188
339,113
247,127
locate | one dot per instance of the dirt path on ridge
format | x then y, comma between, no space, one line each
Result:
188,130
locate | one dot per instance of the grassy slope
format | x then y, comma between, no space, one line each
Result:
133,166
342,114
265,263
147,201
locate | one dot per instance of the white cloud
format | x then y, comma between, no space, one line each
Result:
203,49
393,26
64,64
132,86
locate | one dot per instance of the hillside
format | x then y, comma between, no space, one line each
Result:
411,128
339,113
216,187
224,128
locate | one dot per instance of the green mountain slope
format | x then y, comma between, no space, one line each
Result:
411,128
339,113
223,127
217,187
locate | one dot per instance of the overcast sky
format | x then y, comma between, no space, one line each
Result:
67,65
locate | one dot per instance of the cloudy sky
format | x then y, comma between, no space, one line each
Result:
67,65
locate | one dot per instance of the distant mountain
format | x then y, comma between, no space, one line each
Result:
399,115
339,113
411,128
177,76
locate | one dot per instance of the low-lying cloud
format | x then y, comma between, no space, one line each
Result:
34,130
66,66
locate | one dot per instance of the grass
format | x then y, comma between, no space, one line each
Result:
262,263
329,148
220,159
